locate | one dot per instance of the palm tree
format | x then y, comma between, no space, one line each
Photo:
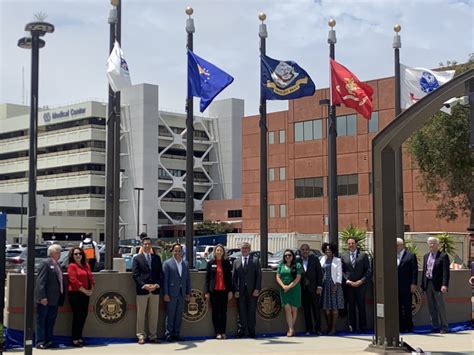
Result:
358,234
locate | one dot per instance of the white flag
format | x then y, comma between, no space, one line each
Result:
117,69
417,82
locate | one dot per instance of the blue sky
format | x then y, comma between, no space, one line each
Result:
73,63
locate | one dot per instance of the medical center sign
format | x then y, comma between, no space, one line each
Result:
53,115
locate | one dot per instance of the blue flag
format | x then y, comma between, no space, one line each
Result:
284,80
205,80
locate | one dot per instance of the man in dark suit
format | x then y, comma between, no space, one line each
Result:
147,273
356,272
311,287
49,294
176,290
407,267
247,281
435,282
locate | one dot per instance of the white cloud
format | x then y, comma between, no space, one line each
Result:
72,65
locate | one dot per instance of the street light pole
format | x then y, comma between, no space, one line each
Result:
189,153
138,189
37,30
21,218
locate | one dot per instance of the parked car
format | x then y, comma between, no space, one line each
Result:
278,256
16,262
253,253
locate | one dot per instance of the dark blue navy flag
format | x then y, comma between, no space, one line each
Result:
284,80
205,80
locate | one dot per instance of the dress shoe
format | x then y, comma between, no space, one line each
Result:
141,341
177,338
169,339
155,341
444,331
41,346
240,335
253,336
219,336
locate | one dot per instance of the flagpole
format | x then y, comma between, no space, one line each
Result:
109,166
399,213
189,153
117,112
263,34
332,151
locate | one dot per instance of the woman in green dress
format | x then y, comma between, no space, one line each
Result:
288,277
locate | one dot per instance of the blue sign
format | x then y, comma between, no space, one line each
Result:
3,221
48,116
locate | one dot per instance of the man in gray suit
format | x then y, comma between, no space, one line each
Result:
176,290
49,292
247,280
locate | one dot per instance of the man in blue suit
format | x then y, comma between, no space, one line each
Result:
176,290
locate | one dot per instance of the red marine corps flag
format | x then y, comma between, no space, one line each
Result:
347,89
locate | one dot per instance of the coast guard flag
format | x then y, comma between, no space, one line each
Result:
418,82
347,89
284,80
117,70
205,80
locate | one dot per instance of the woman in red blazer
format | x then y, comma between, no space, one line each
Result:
80,288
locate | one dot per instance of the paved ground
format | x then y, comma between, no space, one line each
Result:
452,344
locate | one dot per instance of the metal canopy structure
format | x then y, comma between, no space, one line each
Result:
384,147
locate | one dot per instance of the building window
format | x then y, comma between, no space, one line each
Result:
347,185
346,125
282,173
271,211
282,136
271,174
271,137
317,129
373,123
309,187
282,211
234,213
299,132
308,130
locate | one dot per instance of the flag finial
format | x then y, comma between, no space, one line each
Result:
332,23
189,11
397,28
262,16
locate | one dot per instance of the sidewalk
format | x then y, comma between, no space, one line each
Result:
453,344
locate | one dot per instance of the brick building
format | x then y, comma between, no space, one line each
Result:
297,169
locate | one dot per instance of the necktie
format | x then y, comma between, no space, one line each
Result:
148,260
353,258
245,262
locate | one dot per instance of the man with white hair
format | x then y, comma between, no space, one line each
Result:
435,283
407,267
49,294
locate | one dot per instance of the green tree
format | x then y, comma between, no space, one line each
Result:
441,150
447,244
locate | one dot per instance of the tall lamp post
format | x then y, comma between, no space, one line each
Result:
37,30
138,189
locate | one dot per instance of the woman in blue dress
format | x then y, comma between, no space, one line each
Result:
333,297
288,278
